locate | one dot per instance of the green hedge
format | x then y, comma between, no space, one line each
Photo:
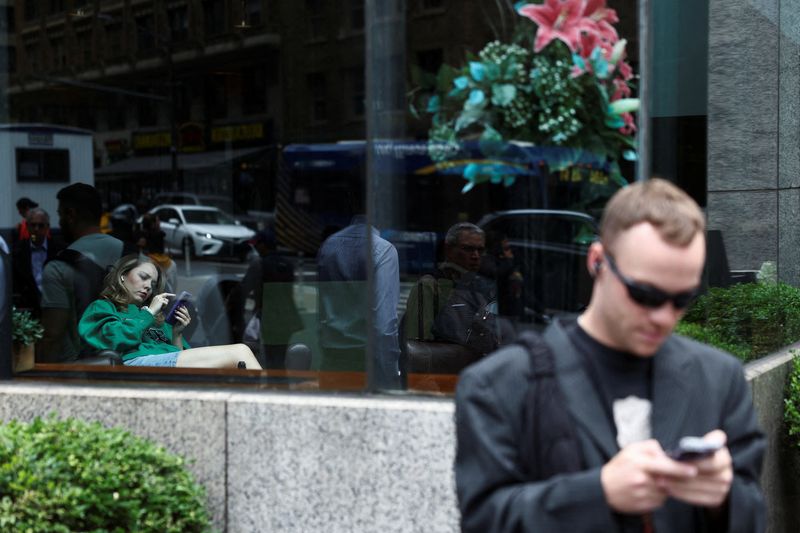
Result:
791,402
68,475
749,320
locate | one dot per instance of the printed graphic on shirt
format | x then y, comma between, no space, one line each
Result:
632,417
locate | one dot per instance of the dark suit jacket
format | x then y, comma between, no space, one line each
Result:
695,389
26,293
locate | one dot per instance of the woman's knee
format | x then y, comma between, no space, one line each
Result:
243,350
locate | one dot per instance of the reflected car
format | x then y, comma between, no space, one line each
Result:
255,220
203,231
550,248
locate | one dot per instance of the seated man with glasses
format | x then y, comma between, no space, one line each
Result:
627,391
443,305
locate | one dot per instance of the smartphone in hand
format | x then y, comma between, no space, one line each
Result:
694,448
181,300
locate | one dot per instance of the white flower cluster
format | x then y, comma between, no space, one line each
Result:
514,59
559,98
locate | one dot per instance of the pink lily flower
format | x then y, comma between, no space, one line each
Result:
621,90
557,19
589,41
625,70
630,125
602,18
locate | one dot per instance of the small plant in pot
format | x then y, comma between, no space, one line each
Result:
25,331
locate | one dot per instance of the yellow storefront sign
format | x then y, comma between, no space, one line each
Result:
241,132
143,141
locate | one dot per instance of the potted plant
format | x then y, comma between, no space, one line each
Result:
25,331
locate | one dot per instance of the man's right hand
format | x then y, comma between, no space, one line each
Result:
630,478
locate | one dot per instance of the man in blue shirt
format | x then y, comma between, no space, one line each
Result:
345,303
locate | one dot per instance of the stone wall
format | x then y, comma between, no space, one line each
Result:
299,463
282,462
753,132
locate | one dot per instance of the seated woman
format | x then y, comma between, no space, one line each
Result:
129,318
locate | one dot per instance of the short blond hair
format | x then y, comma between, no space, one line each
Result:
672,212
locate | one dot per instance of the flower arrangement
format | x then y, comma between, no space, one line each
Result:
561,90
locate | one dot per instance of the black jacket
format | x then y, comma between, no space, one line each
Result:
695,389
26,293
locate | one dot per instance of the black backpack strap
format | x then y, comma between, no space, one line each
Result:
421,302
549,443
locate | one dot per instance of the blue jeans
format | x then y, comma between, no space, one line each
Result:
161,359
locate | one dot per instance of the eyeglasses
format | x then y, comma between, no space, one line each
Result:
649,296
480,250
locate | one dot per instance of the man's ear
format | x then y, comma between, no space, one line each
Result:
594,258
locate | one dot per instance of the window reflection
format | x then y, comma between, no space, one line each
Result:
240,130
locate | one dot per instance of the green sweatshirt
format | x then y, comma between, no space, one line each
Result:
132,332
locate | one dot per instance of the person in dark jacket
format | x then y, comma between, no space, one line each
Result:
632,390
29,258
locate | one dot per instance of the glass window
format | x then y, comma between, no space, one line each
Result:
114,41
313,169
356,15
318,96
317,19
253,9
254,89
58,54
38,165
56,6
84,46
214,17
179,23
8,22
31,9
145,33
355,89
432,5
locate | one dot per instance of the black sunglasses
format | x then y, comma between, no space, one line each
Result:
649,296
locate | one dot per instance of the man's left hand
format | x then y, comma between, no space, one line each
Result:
712,484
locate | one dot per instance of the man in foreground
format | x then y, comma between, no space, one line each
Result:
631,390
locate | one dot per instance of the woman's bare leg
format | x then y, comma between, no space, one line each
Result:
226,356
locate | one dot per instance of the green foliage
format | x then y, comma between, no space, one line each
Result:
68,475
706,335
749,320
791,401
25,329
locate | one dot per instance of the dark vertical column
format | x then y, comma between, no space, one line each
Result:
6,39
5,316
643,169
385,109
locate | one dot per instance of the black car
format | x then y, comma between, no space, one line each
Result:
550,248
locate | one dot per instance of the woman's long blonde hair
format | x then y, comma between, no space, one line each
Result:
114,289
